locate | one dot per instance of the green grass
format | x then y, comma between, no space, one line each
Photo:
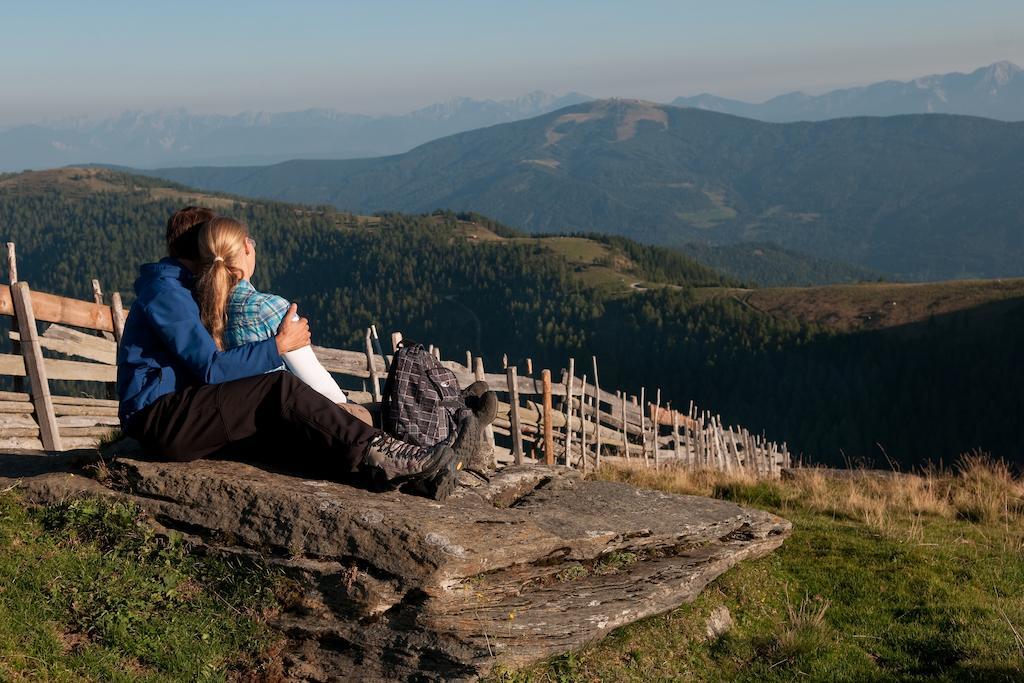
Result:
87,592
917,598
887,579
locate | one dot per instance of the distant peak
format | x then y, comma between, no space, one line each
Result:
1001,73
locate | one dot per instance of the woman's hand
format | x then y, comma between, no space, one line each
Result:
293,332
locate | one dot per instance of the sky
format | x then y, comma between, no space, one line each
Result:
96,59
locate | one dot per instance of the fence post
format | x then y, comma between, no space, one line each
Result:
396,339
643,425
97,296
597,416
568,412
49,435
117,316
655,426
513,414
675,433
625,429
12,277
549,439
583,424
478,375
372,367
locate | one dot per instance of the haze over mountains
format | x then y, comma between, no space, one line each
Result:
995,91
177,137
916,197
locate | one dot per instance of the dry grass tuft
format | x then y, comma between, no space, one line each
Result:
978,489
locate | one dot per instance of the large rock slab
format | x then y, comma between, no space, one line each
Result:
532,564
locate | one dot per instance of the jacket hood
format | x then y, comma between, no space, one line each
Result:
167,268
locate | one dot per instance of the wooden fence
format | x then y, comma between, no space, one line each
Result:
570,420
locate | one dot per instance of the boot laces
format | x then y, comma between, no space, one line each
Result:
397,449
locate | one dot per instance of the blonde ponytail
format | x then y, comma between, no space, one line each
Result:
221,258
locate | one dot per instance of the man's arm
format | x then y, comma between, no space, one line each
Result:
175,317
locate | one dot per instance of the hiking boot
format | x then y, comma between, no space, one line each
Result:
428,471
470,445
482,401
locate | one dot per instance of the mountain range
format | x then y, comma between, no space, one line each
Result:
166,138
178,137
995,91
916,197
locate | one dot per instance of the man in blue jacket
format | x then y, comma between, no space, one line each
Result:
184,399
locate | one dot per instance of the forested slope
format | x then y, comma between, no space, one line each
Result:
929,386
918,197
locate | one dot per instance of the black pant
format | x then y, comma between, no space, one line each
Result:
274,417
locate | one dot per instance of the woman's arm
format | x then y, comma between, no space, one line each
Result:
302,362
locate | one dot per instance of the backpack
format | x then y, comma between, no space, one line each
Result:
421,397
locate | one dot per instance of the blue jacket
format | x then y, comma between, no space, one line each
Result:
165,347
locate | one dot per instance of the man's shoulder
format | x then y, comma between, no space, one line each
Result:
155,285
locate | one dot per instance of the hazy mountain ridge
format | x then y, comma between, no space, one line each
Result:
913,197
137,138
995,91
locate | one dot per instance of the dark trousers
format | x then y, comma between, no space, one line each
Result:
276,418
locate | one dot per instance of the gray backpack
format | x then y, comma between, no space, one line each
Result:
421,397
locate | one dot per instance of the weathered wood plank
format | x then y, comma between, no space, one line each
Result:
371,367
60,369
96,411
117,316
569,380
549,444
597,413
97,431
35,369
72,348
58,309
17,407
516,430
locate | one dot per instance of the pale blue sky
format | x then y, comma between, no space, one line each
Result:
63,59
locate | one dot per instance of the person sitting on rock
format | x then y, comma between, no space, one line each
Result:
235,313
183,398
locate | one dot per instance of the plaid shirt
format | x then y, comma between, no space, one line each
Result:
252,316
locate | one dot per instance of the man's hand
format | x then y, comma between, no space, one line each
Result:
293,332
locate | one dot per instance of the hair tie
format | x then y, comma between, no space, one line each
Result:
218,258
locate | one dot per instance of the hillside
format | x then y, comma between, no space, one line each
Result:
914,197
995,91
769,265
938,377
874,306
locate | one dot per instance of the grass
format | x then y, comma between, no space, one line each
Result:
905,577
875,305
88,592
885,578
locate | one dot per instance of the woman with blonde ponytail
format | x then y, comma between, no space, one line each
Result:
226,258
236,313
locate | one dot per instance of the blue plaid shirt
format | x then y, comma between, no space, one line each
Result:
252,316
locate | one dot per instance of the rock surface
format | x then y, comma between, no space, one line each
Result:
534,563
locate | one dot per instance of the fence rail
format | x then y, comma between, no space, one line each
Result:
543,417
